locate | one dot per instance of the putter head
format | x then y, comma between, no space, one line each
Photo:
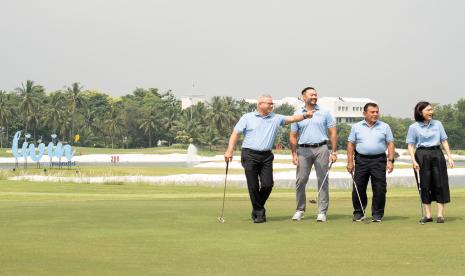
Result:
220,219
312,201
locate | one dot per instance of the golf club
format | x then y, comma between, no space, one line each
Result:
419,193
313,201
221,218
364,218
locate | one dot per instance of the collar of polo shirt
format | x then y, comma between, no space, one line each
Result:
366,123
257,114
317,107
425,124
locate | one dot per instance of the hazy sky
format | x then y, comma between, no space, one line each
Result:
396,52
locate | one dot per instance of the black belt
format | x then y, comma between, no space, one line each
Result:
313,145
257,151
430,148
373,156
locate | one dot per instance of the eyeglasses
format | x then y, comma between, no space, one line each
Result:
270,103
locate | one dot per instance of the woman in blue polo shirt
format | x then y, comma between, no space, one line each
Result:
427,135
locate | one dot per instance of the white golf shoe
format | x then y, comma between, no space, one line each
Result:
321,218
298,215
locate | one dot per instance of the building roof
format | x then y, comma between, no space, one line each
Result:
348,100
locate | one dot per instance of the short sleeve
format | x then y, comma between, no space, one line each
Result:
352,137
282,119
294,127
442,132
411,138
330,122
389,136
241,125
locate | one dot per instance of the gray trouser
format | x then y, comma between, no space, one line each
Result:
307,158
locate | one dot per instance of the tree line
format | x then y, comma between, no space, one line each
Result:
148,117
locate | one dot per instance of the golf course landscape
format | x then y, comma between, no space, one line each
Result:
139,229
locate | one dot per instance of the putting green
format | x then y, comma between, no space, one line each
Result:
91,229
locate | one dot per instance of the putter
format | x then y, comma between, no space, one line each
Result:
419,193
221,218
313,201
364,218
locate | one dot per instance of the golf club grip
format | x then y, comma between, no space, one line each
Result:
416,177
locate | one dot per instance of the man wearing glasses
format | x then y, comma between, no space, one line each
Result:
259,129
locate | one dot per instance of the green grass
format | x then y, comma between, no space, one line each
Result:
136,170
87,229
119,171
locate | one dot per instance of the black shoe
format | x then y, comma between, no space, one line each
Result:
358,217
424,220
440,220
253,215
259,216
259,219
377,218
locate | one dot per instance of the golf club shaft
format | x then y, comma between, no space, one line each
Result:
419,191
358,195
324,179
224,190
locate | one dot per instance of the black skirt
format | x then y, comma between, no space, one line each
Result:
434,181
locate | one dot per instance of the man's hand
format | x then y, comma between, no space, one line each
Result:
332,157
350,167
416,166
295,159
389,167
309,114
228,156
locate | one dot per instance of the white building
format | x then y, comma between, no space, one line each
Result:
187,101
345,110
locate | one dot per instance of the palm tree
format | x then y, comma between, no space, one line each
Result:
6,115
148,125
55,115
29,94
74,101
114,124
219,116
168,122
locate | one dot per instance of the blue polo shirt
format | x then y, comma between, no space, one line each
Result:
426,135
314,130
259,131
370,140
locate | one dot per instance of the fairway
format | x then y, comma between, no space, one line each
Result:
92,229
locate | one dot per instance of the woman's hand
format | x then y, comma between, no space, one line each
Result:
451,162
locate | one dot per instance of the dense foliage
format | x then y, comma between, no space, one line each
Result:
147,118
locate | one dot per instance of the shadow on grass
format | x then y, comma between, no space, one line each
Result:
392,218
339,217
453,218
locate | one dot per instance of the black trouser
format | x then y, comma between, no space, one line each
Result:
373,167
258,166
434,181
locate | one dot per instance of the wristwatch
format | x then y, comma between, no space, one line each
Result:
391,160
334,153
305,115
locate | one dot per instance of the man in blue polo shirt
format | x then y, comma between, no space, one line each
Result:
309,139
367,144
260,129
